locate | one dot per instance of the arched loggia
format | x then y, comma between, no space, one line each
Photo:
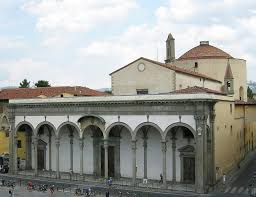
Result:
67,143
94,150
181,150
23,149
148,154
46,152
119,136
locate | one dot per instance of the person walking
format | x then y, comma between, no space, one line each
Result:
10,193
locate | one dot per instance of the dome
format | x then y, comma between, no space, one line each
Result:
205,51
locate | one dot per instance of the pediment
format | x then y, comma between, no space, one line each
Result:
42,143
187,149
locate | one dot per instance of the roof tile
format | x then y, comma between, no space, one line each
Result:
18,93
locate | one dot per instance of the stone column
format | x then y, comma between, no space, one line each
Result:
164,163
71,151
134,170
35,142
50,151
81,145
201,154
173,138
145,146
12,154
106,158
212,153
15,154
57,142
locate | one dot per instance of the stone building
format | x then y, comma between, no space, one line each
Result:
174,119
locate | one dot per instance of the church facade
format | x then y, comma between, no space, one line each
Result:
170,120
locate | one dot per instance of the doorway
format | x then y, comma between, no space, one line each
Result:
41,155
111,161
189,169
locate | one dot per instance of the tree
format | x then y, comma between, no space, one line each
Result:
42,83
25,84
249,93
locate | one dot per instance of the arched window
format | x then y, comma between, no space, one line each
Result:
241,93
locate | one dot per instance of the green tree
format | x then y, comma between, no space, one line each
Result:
249,93
42,83
25,84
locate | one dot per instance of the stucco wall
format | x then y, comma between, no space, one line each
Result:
216,68
227,139
185,81
154,78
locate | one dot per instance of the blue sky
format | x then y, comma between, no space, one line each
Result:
79,42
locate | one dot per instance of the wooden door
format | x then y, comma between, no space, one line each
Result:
189,169
40,159
111,161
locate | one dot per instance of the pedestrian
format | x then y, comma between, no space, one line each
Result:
161,178
224,178
107,193
10,193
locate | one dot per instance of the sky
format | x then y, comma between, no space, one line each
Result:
79,42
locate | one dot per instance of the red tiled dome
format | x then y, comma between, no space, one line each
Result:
205,51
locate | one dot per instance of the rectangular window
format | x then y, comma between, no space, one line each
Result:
19,144
231,108
142,91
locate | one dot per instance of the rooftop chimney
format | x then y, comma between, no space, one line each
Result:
204,42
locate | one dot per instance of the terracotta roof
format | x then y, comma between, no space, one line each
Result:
171,67
228,73
19,93
205,51
197,90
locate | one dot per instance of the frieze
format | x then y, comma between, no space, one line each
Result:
74,108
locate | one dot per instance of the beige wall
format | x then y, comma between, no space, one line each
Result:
227,140
184,81
216,68
155,78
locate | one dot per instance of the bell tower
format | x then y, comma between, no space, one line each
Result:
229,80
170,49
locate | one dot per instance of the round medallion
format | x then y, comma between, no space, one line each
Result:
141,67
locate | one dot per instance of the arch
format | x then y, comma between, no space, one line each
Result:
94,116
178,124
147,124
103,133
24,123
241,93
45,123
117,124
68,123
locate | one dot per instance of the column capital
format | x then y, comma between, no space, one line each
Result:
35,141
145,143
134,145
57,142
105,143
81,143
164,147
174,144
71,140
200,117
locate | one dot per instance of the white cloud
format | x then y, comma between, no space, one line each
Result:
144,40
77,15
11,43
